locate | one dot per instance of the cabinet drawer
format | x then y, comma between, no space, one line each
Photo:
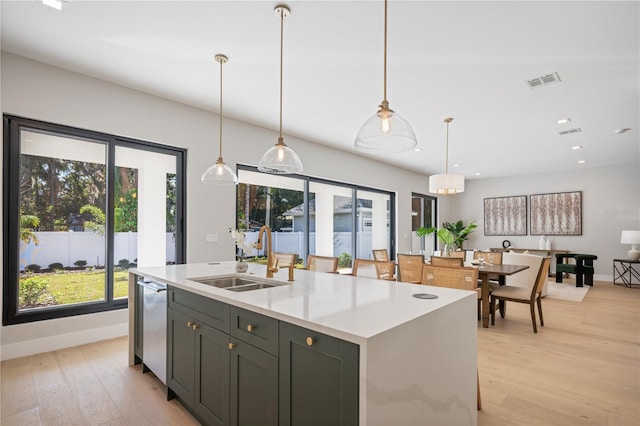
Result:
203,309
255,329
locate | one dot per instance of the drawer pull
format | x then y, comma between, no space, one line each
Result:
310,341
231,345
250,328
189,324
194,326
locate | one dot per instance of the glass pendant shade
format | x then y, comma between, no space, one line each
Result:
385,132
280,160
446,184
219,174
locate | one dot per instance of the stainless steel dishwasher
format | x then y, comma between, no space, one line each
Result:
154,329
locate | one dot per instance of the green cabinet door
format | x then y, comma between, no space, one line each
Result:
318,379
212,375
180,355
254,386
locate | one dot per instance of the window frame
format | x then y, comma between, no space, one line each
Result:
11,215
354,191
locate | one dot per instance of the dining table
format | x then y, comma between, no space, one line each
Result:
487,270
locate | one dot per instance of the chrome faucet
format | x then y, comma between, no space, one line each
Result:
272,265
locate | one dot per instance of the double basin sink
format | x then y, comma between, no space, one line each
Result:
236,283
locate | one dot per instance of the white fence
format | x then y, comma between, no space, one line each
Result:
69,247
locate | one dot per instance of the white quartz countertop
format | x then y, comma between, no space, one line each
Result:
351,308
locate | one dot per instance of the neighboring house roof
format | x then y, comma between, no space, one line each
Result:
341,204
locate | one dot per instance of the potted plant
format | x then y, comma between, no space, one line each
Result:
459,231
444,235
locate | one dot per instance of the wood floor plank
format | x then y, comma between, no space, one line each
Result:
581,369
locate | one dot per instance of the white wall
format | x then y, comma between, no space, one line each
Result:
39,91
610,203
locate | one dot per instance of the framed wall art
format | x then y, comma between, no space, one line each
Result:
556,214
505,215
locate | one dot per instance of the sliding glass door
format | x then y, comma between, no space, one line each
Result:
81,208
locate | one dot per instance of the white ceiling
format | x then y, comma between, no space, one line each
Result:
468,60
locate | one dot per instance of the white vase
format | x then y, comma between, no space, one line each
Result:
242,266
542,244
548,245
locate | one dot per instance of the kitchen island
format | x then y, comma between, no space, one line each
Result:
416,359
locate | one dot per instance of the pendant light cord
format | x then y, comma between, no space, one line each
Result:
446,158
385,50
221,62
281,62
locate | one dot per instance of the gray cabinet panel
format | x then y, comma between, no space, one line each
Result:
254,386
212,375
180,356
318,379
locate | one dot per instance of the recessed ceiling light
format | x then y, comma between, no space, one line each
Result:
477,173
56,4
618,131
563,120
576,147
582,161
417,149
456,165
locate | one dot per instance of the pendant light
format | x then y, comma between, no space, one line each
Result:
385,131
447,183
220,173
280,159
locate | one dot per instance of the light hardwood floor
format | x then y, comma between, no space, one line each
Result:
582,368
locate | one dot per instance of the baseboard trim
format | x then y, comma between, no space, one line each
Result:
62,341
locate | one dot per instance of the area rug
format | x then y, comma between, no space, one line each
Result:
566,291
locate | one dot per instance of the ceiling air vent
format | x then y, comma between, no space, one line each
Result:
544,80
569,131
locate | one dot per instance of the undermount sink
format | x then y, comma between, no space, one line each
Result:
234,283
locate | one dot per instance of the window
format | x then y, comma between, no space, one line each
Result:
423,214
314,216
80,208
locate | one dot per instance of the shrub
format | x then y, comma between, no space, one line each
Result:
56,266
124,263
33,291
344,260
32,268
80,263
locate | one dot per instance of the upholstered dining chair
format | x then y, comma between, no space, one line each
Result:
380,254
531,295
447,261
285,259
384,270
410,267
322,263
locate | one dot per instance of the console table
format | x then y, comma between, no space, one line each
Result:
626,272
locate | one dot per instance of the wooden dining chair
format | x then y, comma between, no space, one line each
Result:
531,295
380,254
410,268
461,278
446,261
322,263
285,259
384,270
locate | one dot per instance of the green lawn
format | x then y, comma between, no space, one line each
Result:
63,288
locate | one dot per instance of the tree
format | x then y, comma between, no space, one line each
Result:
27,224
